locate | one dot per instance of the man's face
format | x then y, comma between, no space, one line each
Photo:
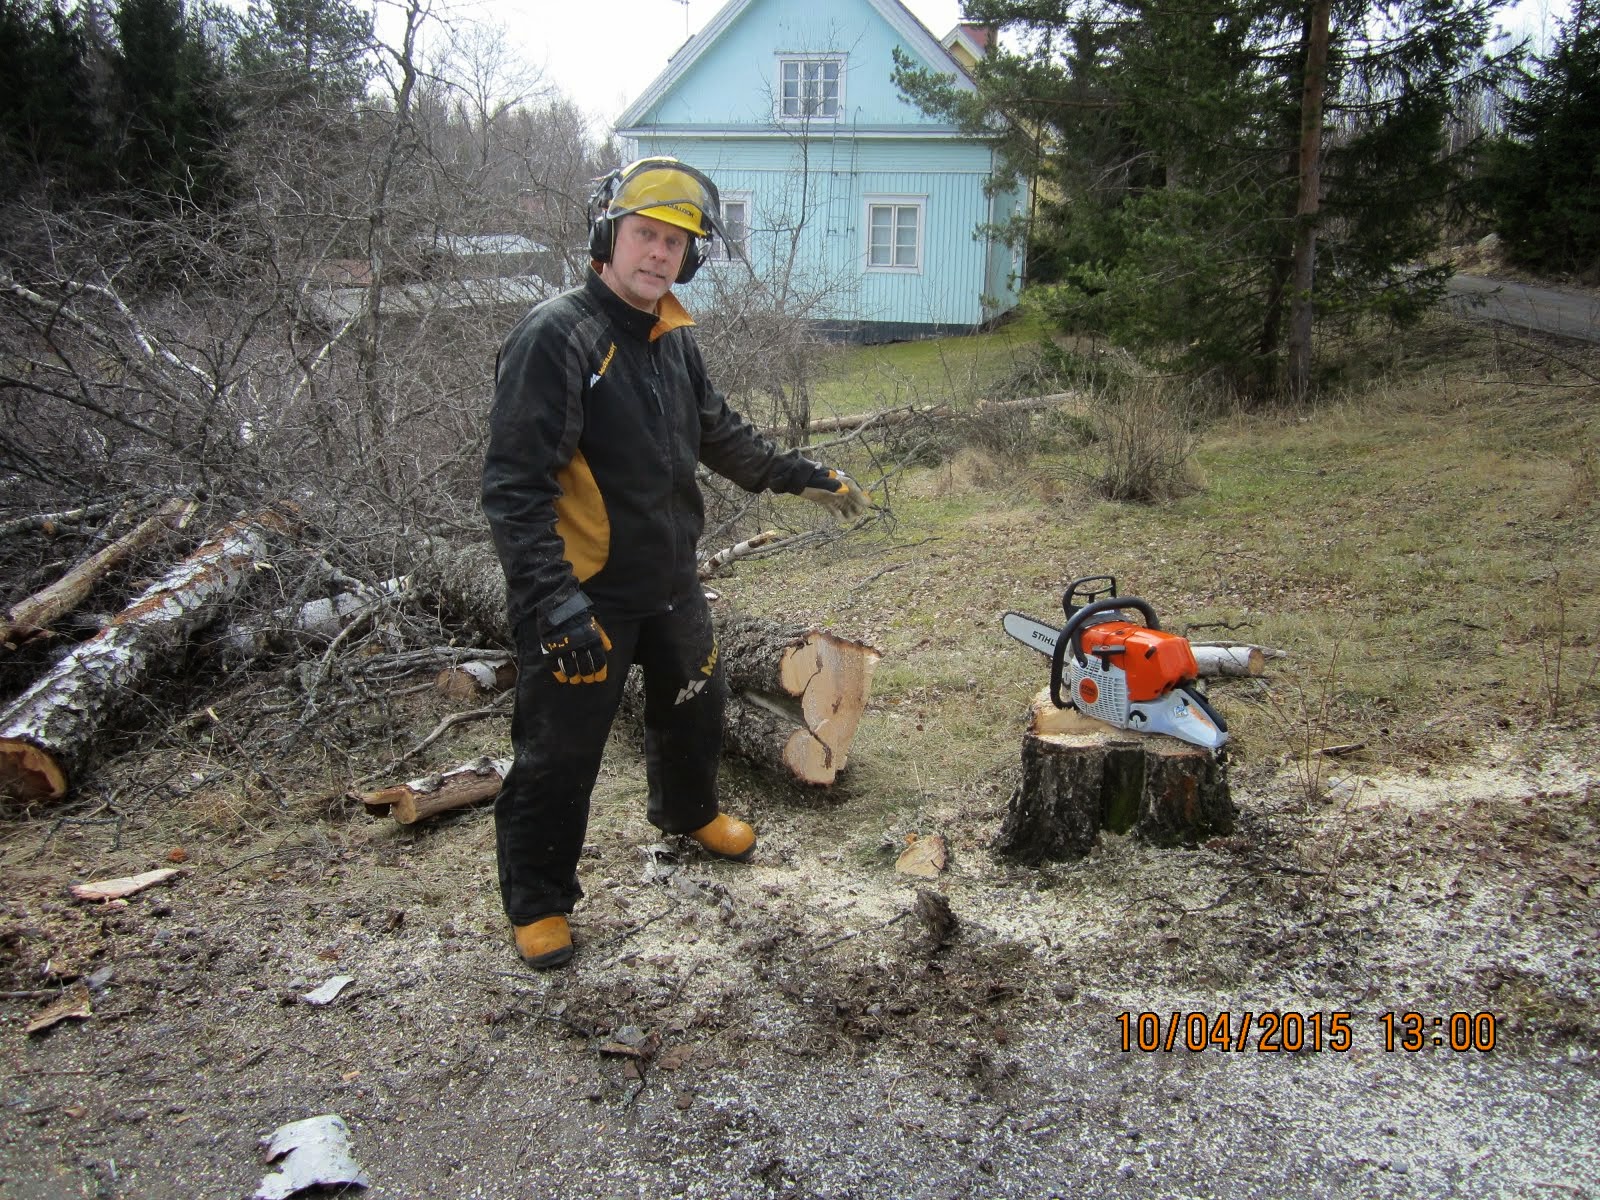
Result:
644,259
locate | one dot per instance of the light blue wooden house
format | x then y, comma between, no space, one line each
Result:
854,209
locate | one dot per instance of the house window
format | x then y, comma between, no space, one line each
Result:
810,88
736,224
894,233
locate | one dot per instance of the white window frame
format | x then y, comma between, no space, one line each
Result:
895,204
800,62
718,252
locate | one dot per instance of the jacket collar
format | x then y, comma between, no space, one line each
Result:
669,315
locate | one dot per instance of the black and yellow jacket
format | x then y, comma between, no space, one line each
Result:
601,412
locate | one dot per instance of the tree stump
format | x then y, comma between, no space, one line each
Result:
1080,776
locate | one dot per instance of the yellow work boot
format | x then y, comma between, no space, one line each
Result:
545,943
726,838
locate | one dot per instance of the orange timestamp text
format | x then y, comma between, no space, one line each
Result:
1289,1032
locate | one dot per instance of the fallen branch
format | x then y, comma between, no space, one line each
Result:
48,522
32,617
922,412
744,549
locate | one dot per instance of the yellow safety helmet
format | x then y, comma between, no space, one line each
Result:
658,187
669,191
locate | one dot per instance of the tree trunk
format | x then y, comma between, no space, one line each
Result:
1080,776
316,621
33,617
797,696
1301,306
47,733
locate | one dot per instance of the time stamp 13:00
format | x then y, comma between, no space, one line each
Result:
1296,1032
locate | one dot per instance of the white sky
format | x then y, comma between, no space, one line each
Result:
604,53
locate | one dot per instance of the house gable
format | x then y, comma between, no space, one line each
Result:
730,76
854,209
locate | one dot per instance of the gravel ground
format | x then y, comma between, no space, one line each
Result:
791,1029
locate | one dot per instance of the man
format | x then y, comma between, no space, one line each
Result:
602,410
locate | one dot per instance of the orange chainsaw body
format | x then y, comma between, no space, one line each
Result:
1153,661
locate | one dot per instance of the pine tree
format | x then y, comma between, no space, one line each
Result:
298,51
1181,216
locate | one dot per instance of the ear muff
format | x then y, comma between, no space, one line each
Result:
602,229
692,260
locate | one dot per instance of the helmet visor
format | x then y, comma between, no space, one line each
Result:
668,191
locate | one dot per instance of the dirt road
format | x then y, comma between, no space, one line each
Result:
1570,314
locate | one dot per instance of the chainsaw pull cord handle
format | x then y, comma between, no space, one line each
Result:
1072,636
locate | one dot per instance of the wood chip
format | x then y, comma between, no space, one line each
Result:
924,857
74,1005
128,885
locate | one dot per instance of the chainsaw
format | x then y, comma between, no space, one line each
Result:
1131,676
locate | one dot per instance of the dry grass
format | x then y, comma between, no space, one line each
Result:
1424,549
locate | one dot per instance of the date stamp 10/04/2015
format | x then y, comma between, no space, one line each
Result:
1289,1032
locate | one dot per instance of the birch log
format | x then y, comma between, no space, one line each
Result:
32,617
47,733
320,620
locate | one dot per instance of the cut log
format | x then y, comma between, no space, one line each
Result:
32,617
418,799
799,692
829,676
47,733
1081,776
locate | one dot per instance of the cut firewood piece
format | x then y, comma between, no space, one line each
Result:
1081,776
418,799
831,676
48,733
33,616
468,680
814,684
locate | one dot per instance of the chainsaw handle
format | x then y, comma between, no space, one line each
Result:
1072,636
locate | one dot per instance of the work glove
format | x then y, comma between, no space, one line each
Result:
837,492
577,649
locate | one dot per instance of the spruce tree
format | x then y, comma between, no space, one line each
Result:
174,118
50,125
1543,179
303,51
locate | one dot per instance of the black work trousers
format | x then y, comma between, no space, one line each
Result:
558,734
